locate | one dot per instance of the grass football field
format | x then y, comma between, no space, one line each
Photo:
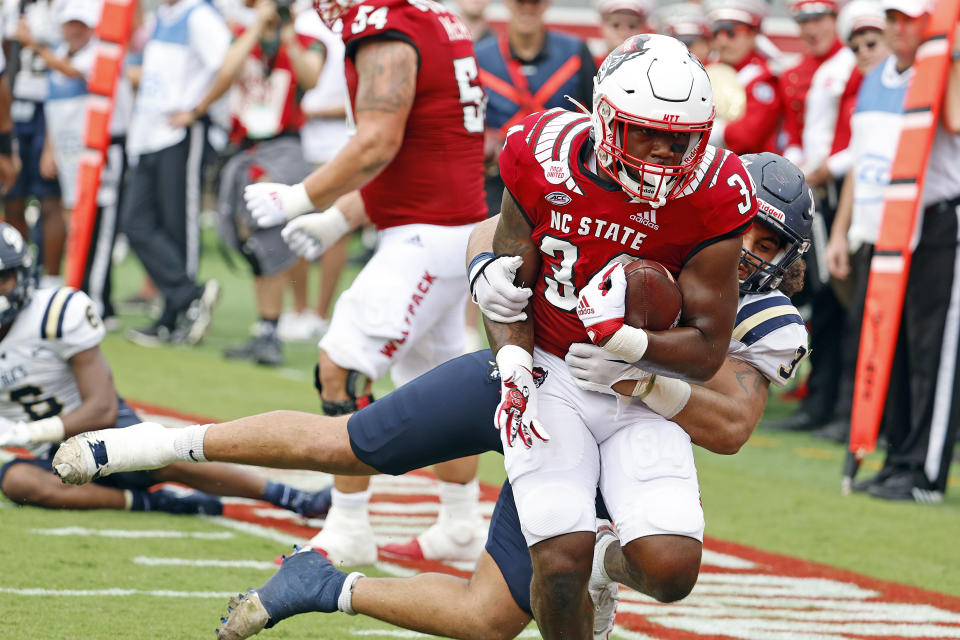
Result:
785,547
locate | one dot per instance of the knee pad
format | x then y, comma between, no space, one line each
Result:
549,510
356,383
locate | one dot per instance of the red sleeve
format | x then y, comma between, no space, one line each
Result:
848,102
517,168
792,125
731,200
752,132
389,19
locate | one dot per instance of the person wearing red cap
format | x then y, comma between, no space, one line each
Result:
735,25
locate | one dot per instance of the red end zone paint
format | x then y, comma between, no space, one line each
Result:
742,592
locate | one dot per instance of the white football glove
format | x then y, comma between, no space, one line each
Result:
596,369
494,292
516,415
14,434
272,203
601,307
21,434
310,235
601,304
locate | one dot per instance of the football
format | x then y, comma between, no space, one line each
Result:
653,298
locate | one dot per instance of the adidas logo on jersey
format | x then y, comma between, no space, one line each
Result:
646,218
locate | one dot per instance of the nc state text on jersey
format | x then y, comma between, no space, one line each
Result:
586,226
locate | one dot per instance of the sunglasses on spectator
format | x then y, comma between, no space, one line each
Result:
869,44
729,28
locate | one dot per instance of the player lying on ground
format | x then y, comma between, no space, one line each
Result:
56,383
414,427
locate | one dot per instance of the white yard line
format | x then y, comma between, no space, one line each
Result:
133,533
148,561
100,593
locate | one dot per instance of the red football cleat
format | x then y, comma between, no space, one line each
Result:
408,550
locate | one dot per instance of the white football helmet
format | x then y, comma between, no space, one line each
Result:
331,10
651,81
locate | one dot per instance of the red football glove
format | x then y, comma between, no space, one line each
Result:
516,415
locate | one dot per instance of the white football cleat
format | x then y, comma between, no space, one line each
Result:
444,541
96,454
346,539
604,593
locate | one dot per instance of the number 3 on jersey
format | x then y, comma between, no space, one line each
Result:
561,256
472,98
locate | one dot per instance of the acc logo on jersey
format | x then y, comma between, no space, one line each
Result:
557,197
556,172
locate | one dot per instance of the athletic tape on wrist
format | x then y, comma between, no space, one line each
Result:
6,144
46,430
300,202
628,342
668,396
345,601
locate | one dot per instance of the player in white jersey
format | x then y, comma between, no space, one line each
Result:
769,341
55,383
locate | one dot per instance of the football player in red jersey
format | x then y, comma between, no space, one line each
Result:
634,178
417,160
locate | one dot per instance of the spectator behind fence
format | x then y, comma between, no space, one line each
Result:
528,69
161,206
922,411
267,68
34,22
69,66
748,101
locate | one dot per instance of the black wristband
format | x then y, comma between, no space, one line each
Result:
487,257
6,144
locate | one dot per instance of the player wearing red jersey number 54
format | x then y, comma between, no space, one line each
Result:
417,160
636,178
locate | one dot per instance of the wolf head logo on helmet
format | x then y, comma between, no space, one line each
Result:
651,82
785,204
16,257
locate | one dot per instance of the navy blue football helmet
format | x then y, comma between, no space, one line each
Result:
15,256
785,205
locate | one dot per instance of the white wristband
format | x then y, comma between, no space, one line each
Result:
511,355
667,396
338,225
299,202
46,430
628,342
345,600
